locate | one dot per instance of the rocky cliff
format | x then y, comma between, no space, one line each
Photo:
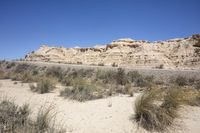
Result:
174,53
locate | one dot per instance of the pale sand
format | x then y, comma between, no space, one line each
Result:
109,115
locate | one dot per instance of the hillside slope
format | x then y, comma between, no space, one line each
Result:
175,53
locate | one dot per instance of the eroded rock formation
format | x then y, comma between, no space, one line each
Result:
175,53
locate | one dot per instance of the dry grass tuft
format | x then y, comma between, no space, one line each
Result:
82,90
16,119
154,113
44,85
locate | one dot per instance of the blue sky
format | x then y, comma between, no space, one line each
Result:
27,24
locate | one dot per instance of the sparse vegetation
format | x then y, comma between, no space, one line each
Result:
2,74
101,64
121,77
114,65
155,113
110,81
44,85
156,110
55,72
79,62
10,65
181,81
15,119
161,66
82,91
197,85
146,111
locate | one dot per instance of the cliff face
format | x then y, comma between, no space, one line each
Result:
175,53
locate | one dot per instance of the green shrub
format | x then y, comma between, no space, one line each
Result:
181,81
106,76
85,73
27,77
191,81
139,80
142,82
133,76
44,85
67,81
121,76
82,91
55,72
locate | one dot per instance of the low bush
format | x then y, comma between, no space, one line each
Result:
55,72
20,68
16,119
101,64
197,86
140,80
133,76
129,89
10,65
82,91
144,82
79,62
12,117
161,66
106,76
181,81
26,77
44,85
121,77
2,74
114,65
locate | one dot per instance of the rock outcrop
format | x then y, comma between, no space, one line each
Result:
174,53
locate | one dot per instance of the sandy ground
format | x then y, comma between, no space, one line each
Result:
110,115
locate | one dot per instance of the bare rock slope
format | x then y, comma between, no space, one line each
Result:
174,53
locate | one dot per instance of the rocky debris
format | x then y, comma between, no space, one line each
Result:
175,53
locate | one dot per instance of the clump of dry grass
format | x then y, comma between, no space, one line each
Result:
2,74
12,117
197,85
44,85
16,119
129,89
156,110
82,90
121,77
181,81
147,112
153,112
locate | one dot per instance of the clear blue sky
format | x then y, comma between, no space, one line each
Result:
26,24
